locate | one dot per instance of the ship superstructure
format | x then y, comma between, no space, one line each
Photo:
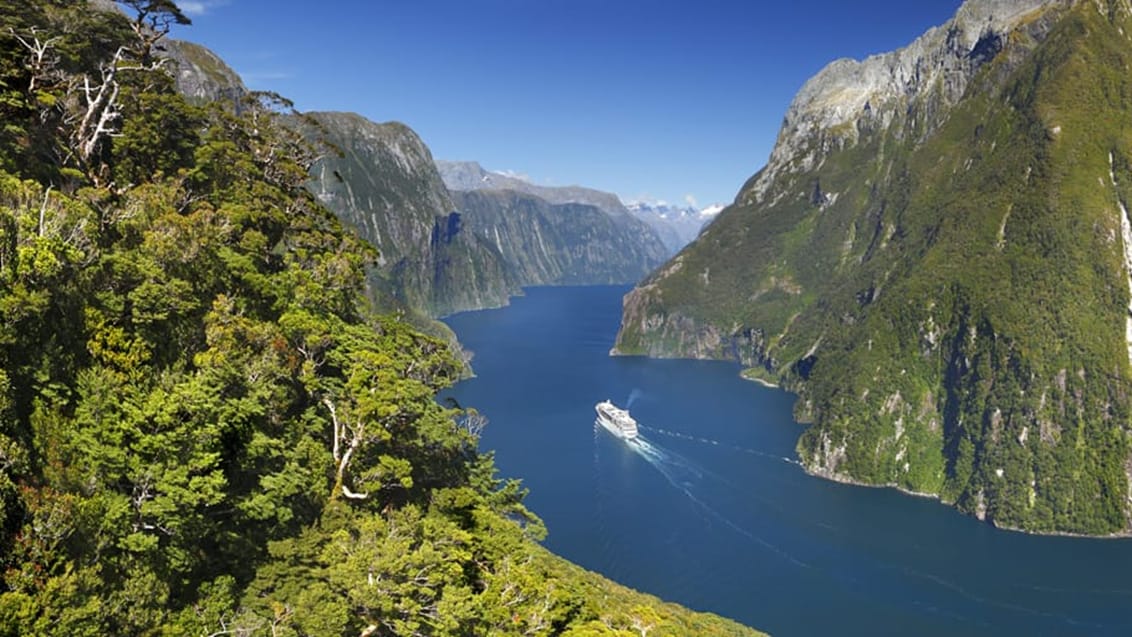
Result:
616,420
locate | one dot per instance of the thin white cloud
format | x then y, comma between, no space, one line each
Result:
192,8
514,174
644,198
691,200
195,8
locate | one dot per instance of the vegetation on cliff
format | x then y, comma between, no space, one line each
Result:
381,181
944,279
559,244
203,428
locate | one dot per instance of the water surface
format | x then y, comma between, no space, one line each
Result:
711,510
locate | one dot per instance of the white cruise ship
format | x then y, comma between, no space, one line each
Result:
616,420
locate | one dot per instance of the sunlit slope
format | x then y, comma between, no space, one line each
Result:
942,277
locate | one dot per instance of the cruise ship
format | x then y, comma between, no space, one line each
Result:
616,420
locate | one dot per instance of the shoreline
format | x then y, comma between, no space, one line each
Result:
846,480
764,383
840,478
755,375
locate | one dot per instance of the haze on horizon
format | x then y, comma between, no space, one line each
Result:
650,99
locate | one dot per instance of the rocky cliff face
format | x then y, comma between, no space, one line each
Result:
385,185
930,75
934,259
201,75
555,235
559,244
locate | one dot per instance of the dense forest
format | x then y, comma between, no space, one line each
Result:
204,428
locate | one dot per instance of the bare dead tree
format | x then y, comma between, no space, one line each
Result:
472,421
95,115
348,437
42,57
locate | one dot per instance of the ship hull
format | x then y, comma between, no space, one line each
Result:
611,428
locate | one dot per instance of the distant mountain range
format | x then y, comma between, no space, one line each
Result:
554,235
444,251
677,225
560,243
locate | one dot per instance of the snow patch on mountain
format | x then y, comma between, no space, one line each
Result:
677,225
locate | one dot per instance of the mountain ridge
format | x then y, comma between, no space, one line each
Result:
470,175
559,244
845,89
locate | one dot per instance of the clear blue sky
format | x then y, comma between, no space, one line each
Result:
658,98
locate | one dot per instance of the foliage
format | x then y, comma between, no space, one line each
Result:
204,429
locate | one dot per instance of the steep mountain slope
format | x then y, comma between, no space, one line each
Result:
558,244
201,75
586,257
386,186
936,258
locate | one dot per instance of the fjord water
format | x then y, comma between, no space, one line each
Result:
710,509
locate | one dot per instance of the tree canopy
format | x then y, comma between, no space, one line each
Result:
204,428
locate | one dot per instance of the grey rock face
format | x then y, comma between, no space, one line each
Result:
936,68
647,242
201,75
559,244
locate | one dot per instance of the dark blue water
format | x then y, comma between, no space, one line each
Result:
711,511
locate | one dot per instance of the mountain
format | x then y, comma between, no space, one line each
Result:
469,175
559,244
201,75
555,235
443,252
936,259
383,183
677,226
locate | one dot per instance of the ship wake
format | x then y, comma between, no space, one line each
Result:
680,472
716,443
695,482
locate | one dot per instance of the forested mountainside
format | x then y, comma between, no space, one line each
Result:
936,259
558,244
381,180
204,429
